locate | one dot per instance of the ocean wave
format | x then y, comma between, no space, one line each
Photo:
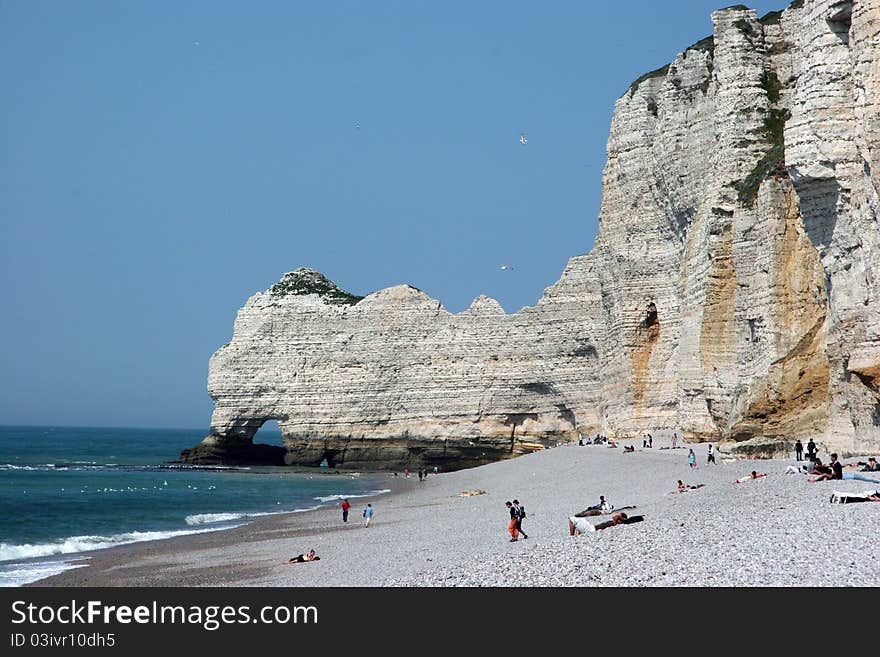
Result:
208,518
19,574
55,467
73,544
332,498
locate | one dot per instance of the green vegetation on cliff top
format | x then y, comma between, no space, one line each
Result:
308,281
706,44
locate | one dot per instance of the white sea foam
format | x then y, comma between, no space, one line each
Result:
19,574
208,518
86,543
332,498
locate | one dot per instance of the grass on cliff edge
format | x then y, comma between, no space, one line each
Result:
706,44
303,282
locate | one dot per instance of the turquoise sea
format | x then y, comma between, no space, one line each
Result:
66,490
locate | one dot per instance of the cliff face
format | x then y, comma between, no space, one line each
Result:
731,293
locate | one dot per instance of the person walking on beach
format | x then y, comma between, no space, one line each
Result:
692,459
799,450
368,515
711,457
520,516
345,507
650,441
811,451
674,440
511,526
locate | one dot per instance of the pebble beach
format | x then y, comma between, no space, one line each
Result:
451,530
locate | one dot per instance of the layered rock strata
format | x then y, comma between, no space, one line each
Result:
731,295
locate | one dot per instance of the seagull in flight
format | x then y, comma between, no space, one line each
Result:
522,139
506,267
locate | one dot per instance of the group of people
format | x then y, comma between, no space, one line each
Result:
598,440
517,515
811,450
710,457
423,474
578,523
834,470
367,513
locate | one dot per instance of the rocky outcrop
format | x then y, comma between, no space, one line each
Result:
731,293
394,379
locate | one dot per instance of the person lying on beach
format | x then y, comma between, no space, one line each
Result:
578,526
752,476
602,506
628,448
592,511
683,487
870,466
793,469
846,498
302,558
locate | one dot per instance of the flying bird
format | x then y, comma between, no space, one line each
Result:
506,267
522,139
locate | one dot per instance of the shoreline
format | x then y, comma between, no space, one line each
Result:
38,560
779,530
250,530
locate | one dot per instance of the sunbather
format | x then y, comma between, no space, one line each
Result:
683,487
302,558
578,526
602,506
751,477
592,511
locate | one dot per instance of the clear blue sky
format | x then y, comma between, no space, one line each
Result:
162,161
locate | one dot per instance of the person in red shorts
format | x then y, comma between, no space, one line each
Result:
511,526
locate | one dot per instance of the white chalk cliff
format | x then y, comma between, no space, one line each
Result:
733,292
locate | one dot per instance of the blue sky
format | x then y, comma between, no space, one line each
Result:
163,161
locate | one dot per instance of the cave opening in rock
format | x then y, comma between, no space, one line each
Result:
329,459
269,433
